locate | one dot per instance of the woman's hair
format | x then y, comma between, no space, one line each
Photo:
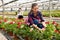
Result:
33,5
20,17
19,8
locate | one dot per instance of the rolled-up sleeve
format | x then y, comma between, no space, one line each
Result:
41,17
30,20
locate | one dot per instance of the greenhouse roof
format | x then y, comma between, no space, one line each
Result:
18,3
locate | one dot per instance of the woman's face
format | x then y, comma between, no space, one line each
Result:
35,9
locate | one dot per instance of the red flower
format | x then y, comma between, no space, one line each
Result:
5,20
11,23
19,23
56,31
18,26
59,31
28,23
56,25
46,22
53,22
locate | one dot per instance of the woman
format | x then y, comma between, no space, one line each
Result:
35,17
20,14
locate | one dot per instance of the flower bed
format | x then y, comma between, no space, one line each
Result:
18,27
54,13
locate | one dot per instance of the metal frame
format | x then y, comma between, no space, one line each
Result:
25,3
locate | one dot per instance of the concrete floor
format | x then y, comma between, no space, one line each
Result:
2,37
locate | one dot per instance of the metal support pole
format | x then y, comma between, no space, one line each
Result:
3,8
50,9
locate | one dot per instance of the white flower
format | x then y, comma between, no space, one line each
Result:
31,29
22,26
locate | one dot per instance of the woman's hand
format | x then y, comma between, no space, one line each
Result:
36,27
44,24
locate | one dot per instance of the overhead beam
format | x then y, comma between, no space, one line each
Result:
9,3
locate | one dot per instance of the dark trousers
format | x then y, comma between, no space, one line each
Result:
40,25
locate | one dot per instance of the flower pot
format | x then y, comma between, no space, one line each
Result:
3,29
10,33
15,37
0,28
26,38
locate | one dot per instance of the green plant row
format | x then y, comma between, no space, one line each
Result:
24,31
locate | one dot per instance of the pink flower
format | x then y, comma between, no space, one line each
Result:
53,22
26,20
56,25
28,23
43,29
